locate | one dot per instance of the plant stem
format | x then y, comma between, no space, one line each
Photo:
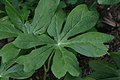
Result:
49,60
45,72
93,4
48,65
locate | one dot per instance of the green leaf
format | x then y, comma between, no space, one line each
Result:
62,4
69,77
71,1
26,41
103,70
108,2
1,1
93,29
27,28
17,72
92,37
90,44
116,57
24,12
113,78
9,52
35,59
63,62
88,78
6,26
1,12
7,29
21,75
43,15
59,37
4,78
55,27
13,71
15,3
6,35
88,49
14,15
79,20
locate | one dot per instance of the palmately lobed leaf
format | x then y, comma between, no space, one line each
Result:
58,37
91,44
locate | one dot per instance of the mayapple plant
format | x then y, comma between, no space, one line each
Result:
53,36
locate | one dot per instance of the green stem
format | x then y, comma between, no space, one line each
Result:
93,4
45,72
48,65
49,60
